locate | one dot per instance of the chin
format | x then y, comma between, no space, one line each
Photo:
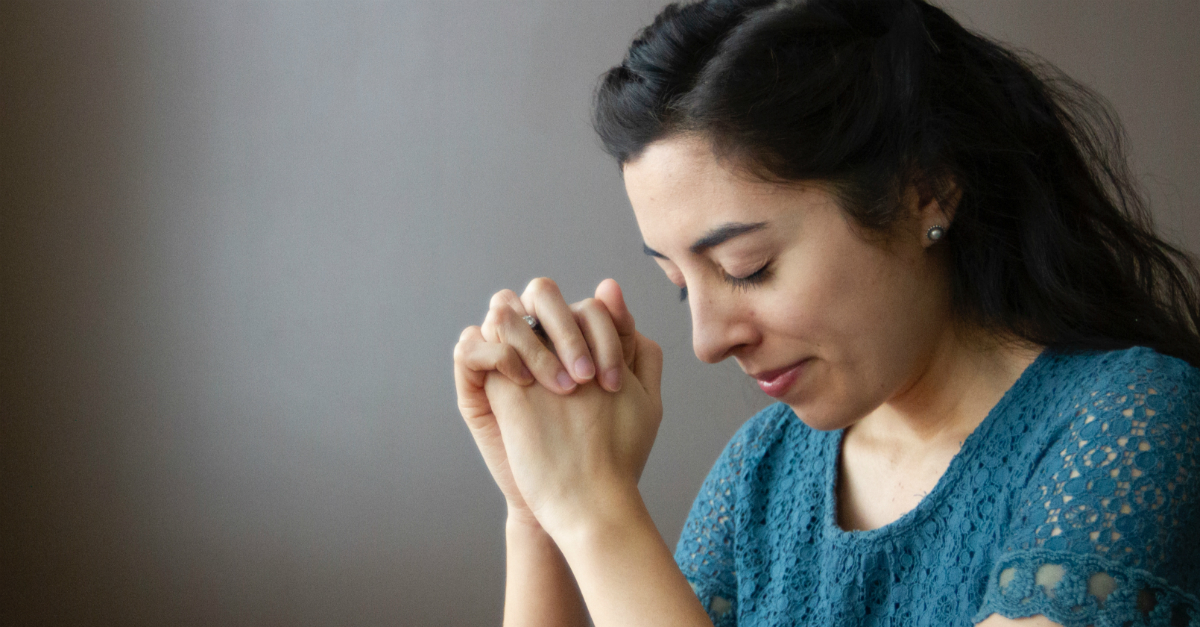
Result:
827,402
829,411
822,420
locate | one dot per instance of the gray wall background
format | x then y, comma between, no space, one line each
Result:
239,239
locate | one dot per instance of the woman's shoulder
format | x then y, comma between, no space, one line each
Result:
1091,399
1121,382
1110,489
1128,422
1113,406
1136,369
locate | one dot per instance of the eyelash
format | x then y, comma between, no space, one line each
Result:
746,282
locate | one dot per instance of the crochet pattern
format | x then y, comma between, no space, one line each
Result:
1076,498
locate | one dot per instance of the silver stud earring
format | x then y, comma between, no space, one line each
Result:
935,233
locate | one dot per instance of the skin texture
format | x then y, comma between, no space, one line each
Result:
871,315
832,296
867,316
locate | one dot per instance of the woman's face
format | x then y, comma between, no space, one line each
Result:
777,277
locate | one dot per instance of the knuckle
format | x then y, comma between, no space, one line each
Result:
502,298
501,315
542,286
591,308
489,321
594,309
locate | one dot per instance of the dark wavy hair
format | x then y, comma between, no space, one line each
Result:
1051,240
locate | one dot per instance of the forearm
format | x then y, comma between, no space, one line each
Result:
627,574
539,588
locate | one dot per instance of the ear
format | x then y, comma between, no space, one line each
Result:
936,203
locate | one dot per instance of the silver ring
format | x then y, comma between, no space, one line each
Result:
535,324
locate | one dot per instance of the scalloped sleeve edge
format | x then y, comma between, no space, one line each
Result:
1077,590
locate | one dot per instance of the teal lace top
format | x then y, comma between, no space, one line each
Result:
1077,498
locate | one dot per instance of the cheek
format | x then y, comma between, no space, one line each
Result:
831,296
844,315
854,302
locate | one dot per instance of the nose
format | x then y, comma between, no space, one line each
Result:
720,325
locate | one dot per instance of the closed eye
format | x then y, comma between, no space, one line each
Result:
750,280
745,282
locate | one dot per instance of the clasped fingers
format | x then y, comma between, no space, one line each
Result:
543,300
475,356
596,324
584,334
583,341
505,325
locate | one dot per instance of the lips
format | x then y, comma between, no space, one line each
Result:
775,383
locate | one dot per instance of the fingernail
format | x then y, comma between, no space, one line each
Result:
526,375
584,368
565,381
612,379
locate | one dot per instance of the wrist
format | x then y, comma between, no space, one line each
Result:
604,522
528,541
521,520
539,586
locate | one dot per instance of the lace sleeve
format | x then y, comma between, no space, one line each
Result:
705,552
1106,531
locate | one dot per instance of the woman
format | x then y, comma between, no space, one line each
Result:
933,257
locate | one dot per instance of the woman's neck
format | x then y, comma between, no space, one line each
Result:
958,384
896,455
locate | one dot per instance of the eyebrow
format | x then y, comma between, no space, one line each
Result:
715,237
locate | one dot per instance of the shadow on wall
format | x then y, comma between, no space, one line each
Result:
74,294
185,440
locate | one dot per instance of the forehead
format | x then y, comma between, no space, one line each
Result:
680,190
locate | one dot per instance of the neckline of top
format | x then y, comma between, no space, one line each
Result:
945,483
